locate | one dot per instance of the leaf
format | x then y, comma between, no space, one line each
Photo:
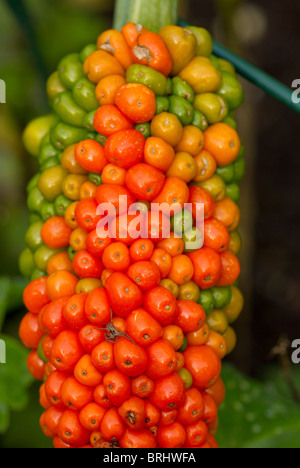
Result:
4,293
11,295
24,429
4,418
15,293
274,373
14,376
255,415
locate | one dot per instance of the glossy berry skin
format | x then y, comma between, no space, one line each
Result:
142,386
117,387
86,373
71,431
97,308
140,439
53,388
52,318
75,395
146,275
86,266
144,181
74,312
35,295
190,316
173,436
90,156
137,102
30,332
89,337
143,328
204,365
86,214
56,233
35,366
109,120
66,351
161,360
161,304
111,194
124,295
192,408
207,267
168,393
125,148
130,358
103,357
133,413
134,243
91,416
196,434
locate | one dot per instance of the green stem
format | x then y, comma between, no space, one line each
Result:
154,14
256,76
121,12
259,78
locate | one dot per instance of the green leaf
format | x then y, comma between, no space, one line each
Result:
4,293
274,373
255,415
24,429
14,376
15,293
11,295
4,418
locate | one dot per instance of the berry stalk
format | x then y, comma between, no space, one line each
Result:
153,15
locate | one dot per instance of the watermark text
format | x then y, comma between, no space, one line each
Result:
120,220
296,353
2,92
296,93
2,352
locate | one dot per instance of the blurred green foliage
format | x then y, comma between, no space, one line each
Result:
11,295
258,415
24,430
15,381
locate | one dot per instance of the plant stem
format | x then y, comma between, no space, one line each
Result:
256,76
154,14
121,12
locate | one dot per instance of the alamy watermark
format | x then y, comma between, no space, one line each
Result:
2,92
2,352
122,220
296,353
296,93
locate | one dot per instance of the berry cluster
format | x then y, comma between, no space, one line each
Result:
132,249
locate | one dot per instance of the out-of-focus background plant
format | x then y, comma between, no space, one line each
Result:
262,407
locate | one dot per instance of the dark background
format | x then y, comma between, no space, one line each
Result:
267,34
